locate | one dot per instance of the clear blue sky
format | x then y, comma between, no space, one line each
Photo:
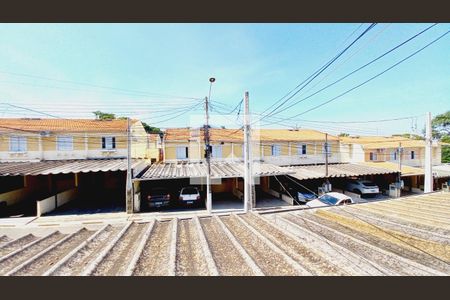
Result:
267,60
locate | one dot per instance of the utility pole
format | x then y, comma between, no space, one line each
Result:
207,157
129,193
327,182
428,184
248,176
400,153
208,151
326,155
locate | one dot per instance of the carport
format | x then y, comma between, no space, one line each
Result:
65,186
227,180
312,177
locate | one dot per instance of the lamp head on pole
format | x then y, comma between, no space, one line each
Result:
212,79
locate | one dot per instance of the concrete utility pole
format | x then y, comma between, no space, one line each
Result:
207,157
400,153
326,155
129,193
208,151
248,175
428,185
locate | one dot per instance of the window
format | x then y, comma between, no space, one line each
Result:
413,154
217,151
372,156
301,149
276,150
108,142
327,149
182,152
64,143
17,144
394,155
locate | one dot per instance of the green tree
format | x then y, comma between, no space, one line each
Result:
410,136
343,134
441,130
103,116
441,125
110,116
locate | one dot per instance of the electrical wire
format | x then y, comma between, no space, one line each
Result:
370,79
360,68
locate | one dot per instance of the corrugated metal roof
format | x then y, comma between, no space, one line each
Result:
407,236
406,170
218,170
441,171
337,170
69,166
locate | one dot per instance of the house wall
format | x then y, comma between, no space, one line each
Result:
419,156
84,146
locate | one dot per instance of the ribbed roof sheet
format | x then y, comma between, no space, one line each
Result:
441,171
69,166
218,170
336,170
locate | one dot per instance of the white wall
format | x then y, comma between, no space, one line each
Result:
301,159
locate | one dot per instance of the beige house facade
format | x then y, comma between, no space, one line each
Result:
274,146
64,139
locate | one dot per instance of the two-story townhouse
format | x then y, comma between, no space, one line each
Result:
387,149
274,146
33,139
67,159
297,146
394,153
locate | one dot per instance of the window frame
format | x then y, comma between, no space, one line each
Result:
215,149
413,154
105,143
59,143
186,152
325,150
21,143
278,150
302,149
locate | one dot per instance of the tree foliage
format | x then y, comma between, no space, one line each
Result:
110,116
103,116
441,130
410,136
343,134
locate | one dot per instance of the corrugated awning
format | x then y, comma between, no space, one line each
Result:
441,171
69,166
336,170
218,170
406,170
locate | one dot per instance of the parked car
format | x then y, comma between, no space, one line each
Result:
301,195
190,196
156,197
362,187
330,199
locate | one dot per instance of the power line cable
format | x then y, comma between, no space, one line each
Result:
322,69
372,78
358,69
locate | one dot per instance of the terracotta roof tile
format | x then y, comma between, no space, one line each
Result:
236,135
63,125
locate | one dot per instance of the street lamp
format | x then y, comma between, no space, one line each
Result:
208,151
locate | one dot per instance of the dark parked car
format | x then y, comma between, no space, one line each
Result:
156,197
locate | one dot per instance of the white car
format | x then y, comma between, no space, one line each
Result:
362,187
330,199
190,195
